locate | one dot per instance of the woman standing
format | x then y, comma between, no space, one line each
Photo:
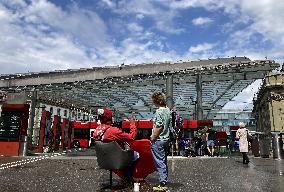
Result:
160,139
242,134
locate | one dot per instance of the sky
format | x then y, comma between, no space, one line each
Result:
46,35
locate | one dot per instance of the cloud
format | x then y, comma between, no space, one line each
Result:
157,11
268,21
109,3
201,47
246,15
85,25
262,33
206,4
37,35
249,32
15,3
165,22
202,20
134,27
140,16
40,36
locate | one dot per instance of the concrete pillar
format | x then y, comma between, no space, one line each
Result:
199,111
32,115
28,140
77,114
169,91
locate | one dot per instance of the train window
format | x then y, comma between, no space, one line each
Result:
81,133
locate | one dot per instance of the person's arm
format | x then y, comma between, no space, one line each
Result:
119,134
155,134
238,134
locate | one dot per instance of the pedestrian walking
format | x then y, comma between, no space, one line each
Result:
160,138
242,135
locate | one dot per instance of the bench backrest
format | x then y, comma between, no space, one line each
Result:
112,156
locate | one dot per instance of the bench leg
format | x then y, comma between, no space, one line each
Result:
110,178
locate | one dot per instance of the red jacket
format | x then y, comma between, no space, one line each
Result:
107,133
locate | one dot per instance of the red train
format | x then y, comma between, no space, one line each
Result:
83,132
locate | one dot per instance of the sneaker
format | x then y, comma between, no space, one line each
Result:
160,188
247,162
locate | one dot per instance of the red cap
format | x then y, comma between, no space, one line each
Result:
105,116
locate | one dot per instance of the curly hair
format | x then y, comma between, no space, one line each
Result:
158,98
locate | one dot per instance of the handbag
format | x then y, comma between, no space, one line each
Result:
249,137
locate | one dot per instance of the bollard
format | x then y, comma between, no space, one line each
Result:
23,145
264,144
277,144
255,146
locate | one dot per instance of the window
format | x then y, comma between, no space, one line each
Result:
65,113
10,126
58,111
73,114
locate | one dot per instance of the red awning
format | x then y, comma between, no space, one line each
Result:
93,125
141,124
79,124
192,124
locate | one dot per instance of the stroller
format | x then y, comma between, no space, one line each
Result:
187,148
199,146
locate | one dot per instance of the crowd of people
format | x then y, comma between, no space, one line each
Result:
203,143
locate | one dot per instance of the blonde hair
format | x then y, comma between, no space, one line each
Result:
158,98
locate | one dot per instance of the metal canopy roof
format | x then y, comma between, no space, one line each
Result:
128,88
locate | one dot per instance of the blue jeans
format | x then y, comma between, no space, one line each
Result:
159,151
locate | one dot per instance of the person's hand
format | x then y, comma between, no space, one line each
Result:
152,140
132,117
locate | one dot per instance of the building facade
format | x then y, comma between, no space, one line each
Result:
269,105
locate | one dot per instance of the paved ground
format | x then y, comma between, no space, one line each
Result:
68,172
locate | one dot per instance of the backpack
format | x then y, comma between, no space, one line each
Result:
99,133
176,124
